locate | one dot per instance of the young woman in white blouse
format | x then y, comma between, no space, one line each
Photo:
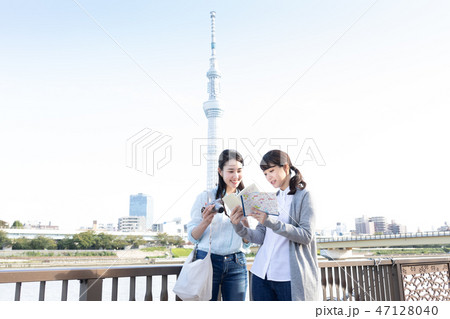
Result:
285,267
227,256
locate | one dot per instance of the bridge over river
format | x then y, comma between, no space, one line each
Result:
338,247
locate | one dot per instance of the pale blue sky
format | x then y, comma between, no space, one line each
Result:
376,103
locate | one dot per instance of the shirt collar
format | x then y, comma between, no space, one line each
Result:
284,193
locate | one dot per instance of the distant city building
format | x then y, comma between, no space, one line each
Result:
173,228
3,224
364,226
444,228
96,226
377,225
132,224
380,224
394,228
142,205
107,227
41,226
341,229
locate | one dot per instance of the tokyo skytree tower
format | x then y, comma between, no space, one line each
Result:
213,111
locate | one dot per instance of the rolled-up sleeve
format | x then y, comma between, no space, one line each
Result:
196,217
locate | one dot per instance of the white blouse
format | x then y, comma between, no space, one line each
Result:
224,240
272,258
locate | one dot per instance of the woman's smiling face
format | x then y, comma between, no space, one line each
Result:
232,174
278,176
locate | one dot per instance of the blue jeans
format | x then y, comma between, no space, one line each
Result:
268,290
230,273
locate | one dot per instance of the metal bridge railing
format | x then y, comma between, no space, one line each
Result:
420,278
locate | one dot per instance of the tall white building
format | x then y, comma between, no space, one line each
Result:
213,110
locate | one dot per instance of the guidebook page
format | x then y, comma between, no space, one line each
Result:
266,202
250,197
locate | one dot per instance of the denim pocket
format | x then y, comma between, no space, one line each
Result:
200,254
241,260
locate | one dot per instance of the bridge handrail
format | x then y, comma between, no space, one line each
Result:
363,279
384,236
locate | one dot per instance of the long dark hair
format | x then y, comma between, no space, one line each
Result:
280,158
224,157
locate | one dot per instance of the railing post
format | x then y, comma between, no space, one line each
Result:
337,283
330,282
18,290
324,283
355,283
115,288
65,287
343,284
349,282
91,289
362,292
384,283
397,283
164,292
148,289
42,291
133,288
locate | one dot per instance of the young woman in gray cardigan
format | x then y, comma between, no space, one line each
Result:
285,267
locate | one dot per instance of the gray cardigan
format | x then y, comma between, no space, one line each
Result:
302,245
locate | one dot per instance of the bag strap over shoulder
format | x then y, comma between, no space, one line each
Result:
209,198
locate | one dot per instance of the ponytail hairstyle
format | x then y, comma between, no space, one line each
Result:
280,158
224,157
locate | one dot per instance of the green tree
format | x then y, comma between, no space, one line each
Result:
162,239
21,243
175,241
103,241
85,240
4,240
135,241
66,243
119,243
17,225
41,242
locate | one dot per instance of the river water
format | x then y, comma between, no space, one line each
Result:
30,290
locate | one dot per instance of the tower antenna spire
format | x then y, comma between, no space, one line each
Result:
213,33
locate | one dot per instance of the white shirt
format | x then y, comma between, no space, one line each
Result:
273,255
